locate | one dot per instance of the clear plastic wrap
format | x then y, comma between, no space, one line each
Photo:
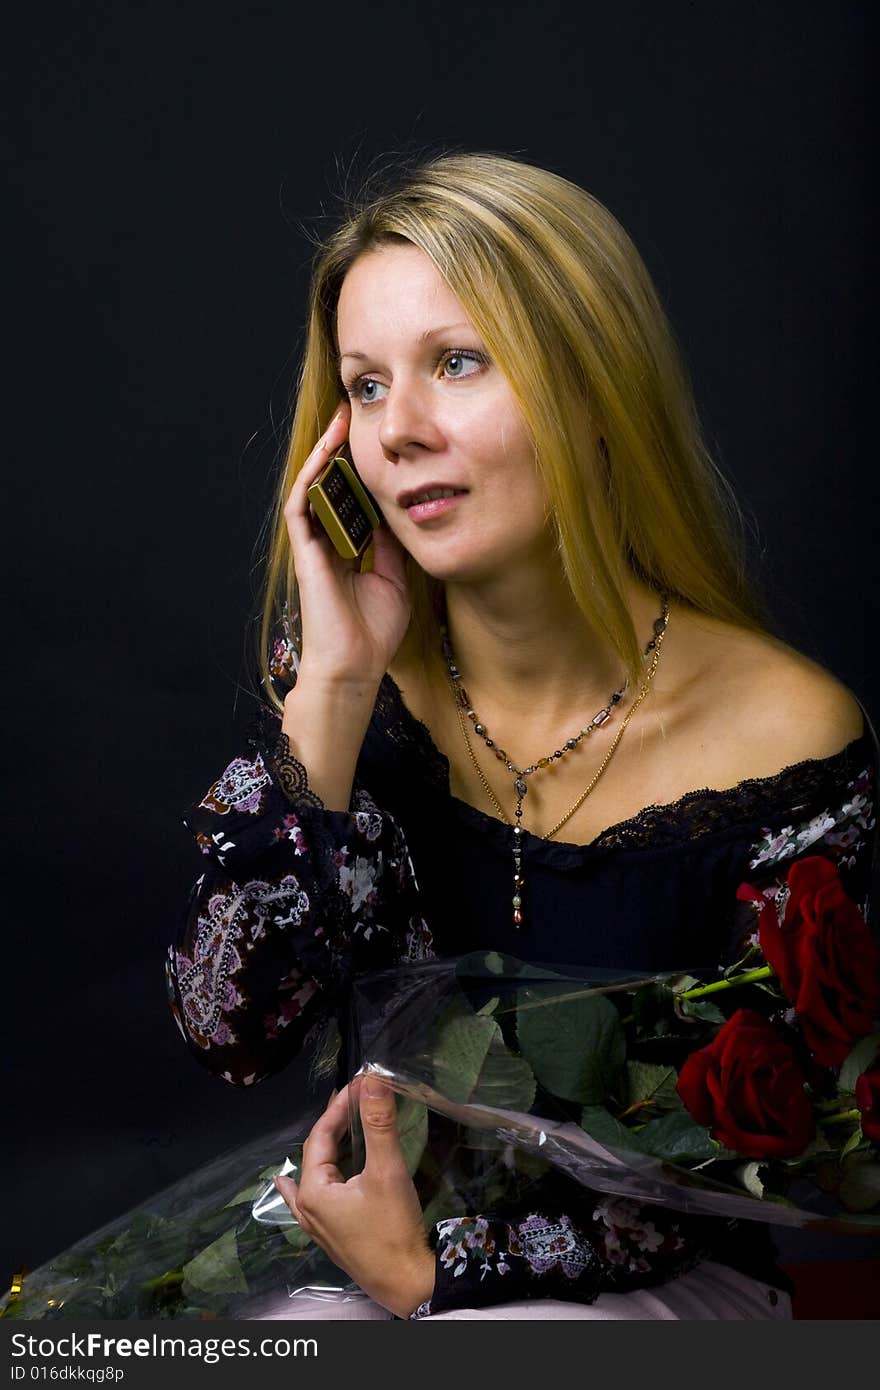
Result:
558,1068
192,1251
503,1072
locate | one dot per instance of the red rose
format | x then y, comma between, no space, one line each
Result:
868,1101
749,1091
827,963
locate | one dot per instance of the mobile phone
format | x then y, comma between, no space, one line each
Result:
344,507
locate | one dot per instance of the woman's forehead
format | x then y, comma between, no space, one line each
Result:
399,290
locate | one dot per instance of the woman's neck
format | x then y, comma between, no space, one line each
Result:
525,649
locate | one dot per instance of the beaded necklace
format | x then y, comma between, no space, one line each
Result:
466,712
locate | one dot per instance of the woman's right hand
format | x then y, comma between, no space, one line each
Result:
352,623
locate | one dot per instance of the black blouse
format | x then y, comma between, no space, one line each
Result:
656,891
296,900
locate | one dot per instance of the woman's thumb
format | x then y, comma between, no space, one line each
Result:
378,1115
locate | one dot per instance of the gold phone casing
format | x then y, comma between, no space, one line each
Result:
344,508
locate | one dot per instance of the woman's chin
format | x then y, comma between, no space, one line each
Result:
463,570
480,564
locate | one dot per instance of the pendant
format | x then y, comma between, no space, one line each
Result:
518,880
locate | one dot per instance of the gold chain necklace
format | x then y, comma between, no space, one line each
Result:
465,711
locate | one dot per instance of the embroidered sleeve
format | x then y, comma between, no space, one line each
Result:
294,902
612,1244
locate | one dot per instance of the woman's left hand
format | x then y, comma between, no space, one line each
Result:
371,1226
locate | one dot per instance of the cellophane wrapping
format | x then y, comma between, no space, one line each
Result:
503,1072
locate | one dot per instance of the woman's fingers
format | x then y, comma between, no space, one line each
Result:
297,507
289,1191
321,1148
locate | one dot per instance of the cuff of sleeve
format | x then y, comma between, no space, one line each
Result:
480,1261
288,772
262,797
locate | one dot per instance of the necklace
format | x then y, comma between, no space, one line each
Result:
467,712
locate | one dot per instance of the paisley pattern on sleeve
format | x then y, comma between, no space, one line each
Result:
613,1245
294,902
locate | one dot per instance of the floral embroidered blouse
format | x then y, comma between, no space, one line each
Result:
295,901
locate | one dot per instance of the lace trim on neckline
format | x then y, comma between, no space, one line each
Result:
697,813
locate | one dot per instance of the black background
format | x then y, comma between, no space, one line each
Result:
171,165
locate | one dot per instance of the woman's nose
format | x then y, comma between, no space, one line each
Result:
408,418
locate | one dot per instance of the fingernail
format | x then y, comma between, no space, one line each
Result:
374,1088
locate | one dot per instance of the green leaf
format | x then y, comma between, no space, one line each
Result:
860,1187
650,1081
576,1046
247,1194
858,1061
677,1137
741,965
412,1124
216,1269
472,1063
602,1126
145,1229
250,1194
463,1042
531,1166
680,983
852,1142
703,1009
296,1237
294,1157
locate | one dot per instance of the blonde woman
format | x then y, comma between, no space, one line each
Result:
545,716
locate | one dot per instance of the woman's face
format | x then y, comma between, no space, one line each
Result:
430,411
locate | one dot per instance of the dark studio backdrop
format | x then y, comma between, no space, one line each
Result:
167,159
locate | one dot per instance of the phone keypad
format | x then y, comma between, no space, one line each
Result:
347,507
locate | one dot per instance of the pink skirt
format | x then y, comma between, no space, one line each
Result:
711,1292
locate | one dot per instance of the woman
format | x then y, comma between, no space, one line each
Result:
554,632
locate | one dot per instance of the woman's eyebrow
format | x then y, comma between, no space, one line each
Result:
425,337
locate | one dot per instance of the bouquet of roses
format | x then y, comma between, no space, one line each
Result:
753,1094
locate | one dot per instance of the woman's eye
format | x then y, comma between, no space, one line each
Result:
363,385
454,359
460,358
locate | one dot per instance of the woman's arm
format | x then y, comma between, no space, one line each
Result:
294,901
325,722
306,882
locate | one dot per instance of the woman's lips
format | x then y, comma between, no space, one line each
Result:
426,511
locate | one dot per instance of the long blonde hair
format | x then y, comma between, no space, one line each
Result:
567,310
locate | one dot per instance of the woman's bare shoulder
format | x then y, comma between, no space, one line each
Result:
783,706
